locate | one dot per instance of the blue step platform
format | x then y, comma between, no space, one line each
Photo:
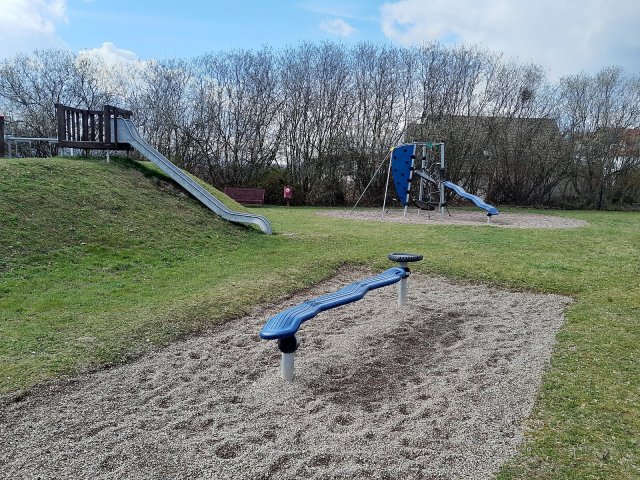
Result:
286,323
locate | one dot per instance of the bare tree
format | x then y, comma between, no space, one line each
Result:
381,102
32,84
323,116
524,148
237,105
315,85
599,110
452,86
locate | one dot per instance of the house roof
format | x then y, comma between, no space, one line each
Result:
440,128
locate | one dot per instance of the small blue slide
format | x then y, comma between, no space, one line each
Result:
491,210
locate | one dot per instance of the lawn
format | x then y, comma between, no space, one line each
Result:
102,262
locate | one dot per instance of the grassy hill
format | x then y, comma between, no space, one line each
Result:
100,262
87,245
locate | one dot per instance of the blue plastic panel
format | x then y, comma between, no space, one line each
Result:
287,322
491,210
402,160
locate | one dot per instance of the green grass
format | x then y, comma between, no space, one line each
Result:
100,262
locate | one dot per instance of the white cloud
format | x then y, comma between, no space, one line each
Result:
111,54
337,26
564,37
116,67
30,24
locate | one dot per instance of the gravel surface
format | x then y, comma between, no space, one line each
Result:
505,220
437,390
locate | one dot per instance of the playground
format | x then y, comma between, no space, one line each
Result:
439,389
457,217
132,320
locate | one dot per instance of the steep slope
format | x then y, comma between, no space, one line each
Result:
84,244
50,205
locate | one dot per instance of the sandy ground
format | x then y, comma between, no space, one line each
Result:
436,390
458,217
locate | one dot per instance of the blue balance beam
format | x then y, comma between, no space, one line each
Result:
286,323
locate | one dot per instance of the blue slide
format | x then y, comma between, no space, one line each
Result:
491,210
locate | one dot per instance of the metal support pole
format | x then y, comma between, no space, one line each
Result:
386,187
365,188
2,145
403,260
287,371
402,287
288,347
442,181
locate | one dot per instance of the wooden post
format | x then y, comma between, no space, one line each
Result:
106,118
85,126
1,136
92,135
100,128
62,134
77,129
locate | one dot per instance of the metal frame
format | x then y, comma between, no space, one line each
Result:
13,140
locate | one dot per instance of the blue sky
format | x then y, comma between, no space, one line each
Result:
187,28
564,36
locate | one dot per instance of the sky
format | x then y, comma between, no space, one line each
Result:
563,36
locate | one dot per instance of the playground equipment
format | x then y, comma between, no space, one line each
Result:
431,178
283,326
112,129
17,146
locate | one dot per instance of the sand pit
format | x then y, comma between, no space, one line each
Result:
438,390
459,217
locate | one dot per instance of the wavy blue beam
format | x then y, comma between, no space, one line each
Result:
287,322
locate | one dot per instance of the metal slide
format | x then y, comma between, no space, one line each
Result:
490,209
127,132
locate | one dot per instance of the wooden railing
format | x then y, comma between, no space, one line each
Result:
90,129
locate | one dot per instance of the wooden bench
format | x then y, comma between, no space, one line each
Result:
246,196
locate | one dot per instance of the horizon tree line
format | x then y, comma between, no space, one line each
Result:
323,116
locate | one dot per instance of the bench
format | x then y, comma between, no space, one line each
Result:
246,196
284,325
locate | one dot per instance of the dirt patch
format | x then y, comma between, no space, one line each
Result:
438,389
457,217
